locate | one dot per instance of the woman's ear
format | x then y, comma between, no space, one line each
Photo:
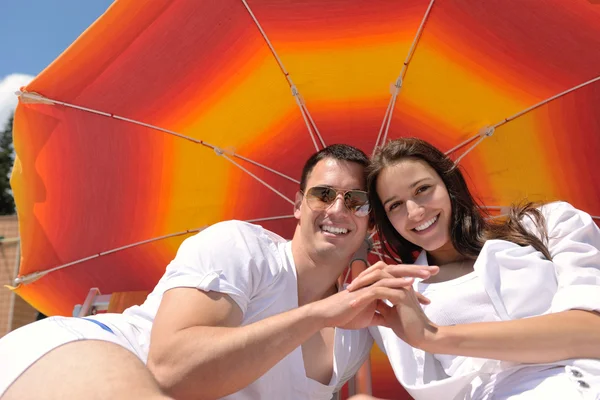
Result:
297,204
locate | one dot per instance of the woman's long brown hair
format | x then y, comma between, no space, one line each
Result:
470,226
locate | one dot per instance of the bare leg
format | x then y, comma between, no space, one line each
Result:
90,370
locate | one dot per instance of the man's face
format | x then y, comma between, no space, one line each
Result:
335,230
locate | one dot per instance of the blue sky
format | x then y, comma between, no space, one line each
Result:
33,33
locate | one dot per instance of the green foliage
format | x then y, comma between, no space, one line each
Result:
7,158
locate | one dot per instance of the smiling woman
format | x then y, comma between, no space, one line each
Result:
522,289
417,204
408,174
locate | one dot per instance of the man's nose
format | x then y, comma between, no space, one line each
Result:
338,205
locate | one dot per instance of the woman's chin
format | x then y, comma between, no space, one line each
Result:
436,245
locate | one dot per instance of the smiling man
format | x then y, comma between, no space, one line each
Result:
240,313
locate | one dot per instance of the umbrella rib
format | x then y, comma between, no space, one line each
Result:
308,120
277,192
391,113
387,119
34,97
278,217
29,278
378,250
36,275
489,131
381,255
470,149
37,98
548,100
461,145
413,46
267,168
385,116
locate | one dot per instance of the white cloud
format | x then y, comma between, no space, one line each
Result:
8,100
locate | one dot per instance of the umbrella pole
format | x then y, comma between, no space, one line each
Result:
11,304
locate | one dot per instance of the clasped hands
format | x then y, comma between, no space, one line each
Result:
383,295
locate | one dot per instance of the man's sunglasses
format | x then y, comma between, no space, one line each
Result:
320,198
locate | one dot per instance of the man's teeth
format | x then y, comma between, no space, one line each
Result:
333,229
426,224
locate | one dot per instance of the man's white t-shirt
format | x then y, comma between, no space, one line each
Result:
256,269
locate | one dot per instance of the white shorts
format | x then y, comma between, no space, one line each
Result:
21,348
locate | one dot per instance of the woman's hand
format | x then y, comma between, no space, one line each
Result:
407,319
405,315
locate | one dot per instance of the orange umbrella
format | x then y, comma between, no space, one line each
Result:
167,116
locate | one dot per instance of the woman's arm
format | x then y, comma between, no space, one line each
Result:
542,339
571,330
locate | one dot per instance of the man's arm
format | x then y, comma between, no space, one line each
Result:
198,350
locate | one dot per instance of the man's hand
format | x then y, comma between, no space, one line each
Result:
355,308
338,311
398,275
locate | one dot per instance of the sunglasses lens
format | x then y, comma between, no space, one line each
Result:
319,198
358,202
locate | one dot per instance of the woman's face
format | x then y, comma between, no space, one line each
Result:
417,203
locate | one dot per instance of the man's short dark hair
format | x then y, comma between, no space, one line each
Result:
340,152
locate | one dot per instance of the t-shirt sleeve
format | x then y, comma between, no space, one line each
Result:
574,244
224,258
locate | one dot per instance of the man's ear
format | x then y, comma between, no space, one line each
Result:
297,204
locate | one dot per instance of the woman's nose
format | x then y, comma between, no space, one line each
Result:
415,211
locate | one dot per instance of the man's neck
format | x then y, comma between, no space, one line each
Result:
317,277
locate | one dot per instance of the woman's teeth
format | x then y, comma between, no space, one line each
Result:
426,224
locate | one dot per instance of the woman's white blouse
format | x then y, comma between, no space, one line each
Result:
520,283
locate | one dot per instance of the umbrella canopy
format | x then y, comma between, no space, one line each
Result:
170,115
167,116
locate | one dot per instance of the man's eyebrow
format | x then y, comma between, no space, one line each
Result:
333,187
